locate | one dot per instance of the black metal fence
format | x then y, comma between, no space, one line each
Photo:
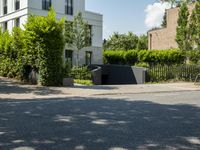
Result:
160,73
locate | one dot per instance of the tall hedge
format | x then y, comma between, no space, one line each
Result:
44,42
148,56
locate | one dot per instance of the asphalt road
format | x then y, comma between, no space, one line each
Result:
151,121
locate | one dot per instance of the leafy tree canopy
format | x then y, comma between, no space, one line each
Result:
77,34
125,42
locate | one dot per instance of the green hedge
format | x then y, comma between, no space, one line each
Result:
131,57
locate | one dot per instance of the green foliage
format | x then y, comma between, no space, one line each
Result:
81,73
164,21
194,27
178,2
147,56
182,37
83,82
188,32
38,48
131,57
142,42
114,57
142,64
194,56
44,43
10,53
77,34
126,42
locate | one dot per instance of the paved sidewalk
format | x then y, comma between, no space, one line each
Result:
14,90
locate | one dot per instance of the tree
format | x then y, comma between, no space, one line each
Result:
194,26
142,42
44,44
182,37
194,31
121,42
77,34
172,2
175,3
164,21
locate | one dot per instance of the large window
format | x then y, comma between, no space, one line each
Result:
88,58
69,57
69,7
5,7
17,4
46,4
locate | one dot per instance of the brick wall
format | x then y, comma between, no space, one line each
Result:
165,38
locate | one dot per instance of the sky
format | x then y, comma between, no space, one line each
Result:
136,16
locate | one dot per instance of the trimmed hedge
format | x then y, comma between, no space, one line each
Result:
131,57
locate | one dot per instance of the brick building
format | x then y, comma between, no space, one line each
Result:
165,38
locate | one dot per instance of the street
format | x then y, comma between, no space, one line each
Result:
138,121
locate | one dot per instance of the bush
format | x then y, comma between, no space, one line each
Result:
83,82
131,57
151,57
194,56
44,42
81,73
114,57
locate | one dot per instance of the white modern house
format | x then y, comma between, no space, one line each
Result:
15,13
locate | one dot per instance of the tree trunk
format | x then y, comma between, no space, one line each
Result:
77,58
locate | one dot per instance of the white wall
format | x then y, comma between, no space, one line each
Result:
28,7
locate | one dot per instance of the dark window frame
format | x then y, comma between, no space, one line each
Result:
5,7
69,9
69,56
17,4
17,22
46,4
5,26
88,60
90,39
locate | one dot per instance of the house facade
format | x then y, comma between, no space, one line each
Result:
165,38
16,12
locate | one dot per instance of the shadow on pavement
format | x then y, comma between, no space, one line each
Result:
12,87
98,124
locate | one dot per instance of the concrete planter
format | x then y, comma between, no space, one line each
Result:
68,82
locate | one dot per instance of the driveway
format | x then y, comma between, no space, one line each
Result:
160,120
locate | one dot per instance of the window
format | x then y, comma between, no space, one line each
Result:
5,7
88,58
90,39
5,26
46,4
69,7
17,4
69,57
17,22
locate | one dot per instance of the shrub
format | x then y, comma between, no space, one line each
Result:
44,42
81,73
131,57
194,56
83,82
114,57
